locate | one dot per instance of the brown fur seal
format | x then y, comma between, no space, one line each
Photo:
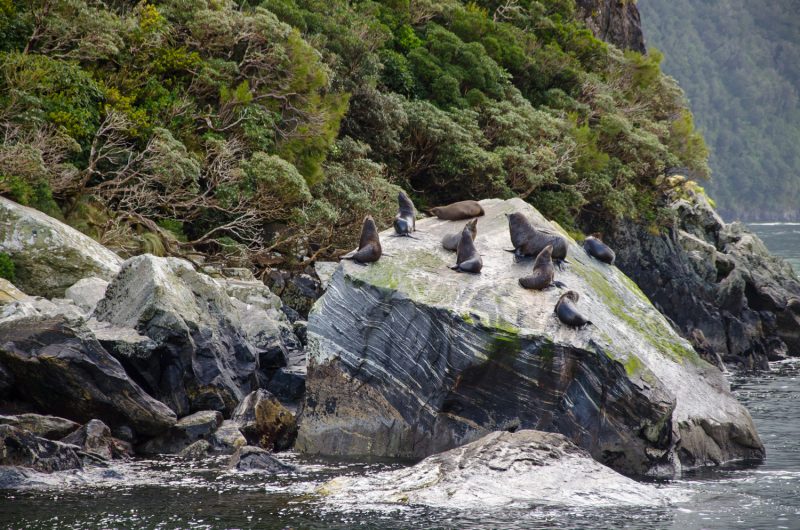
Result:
568,313
458,210
467,257
450,241
529,241
369,246
595,247
543,272
405,220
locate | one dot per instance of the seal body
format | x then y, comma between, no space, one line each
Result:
543,271
458,210
405,220
467,257
598,250
568,313
529,241
450,241
369,245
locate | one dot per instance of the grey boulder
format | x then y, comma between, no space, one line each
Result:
250,458
19,447
85,293
50,427
95,438
188,430
264,421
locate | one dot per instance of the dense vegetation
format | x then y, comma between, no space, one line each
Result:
739,62
263,131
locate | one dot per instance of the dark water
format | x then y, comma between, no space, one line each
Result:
168,494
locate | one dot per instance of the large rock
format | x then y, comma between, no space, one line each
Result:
9,293
203,359
19,447
50,427
189,429
718,279
95,438
48,255
85,293
614,21
250,458
501,469
264,421
60,367
408,358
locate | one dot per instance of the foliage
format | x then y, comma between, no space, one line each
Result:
6,267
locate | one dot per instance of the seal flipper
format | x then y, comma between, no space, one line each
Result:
558,284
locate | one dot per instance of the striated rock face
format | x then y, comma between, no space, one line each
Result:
60,367
408,358
718,279
501,469
48,255
614,21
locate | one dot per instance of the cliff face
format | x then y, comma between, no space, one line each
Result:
614,21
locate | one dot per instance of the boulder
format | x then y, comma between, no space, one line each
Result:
717,279
62,369
500,470
50,427
203,359
9,293
264,421
227,438
85,293
250,458
19,447
189,429
196,451
48,255
408,358
95,438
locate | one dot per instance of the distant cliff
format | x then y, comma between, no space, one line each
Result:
614,21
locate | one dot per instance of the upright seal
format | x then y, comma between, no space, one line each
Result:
405,220
369,246
450,241
568,313
467,257
458,210
543,272
595,247
529,241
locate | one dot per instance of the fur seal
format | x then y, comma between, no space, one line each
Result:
595,247
467,257
369,246
450,241
529,241
458,210
566,311
405,220
543,272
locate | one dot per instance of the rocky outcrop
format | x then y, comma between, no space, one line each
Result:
189,429
95,439
9,293
614,21
717,283
408,358
48,255
19,447
250,458
500,470
86,293
60,367
50,427
264,421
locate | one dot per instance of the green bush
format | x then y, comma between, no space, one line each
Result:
6,267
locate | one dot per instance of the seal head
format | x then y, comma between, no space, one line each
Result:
450,241
568,313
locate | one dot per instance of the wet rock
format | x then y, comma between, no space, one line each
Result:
6,381
189,429
298,291
60,367
407,359
50,256
204,359
264,421
50,427
227,438
289,384
22,448
196,451
85,293
501,469
717,278
250,458
9,293
95,438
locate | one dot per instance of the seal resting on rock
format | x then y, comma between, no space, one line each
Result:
467,257
529,241
458,210
369,246
450,241
543,272
568,313
595,247
405,220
